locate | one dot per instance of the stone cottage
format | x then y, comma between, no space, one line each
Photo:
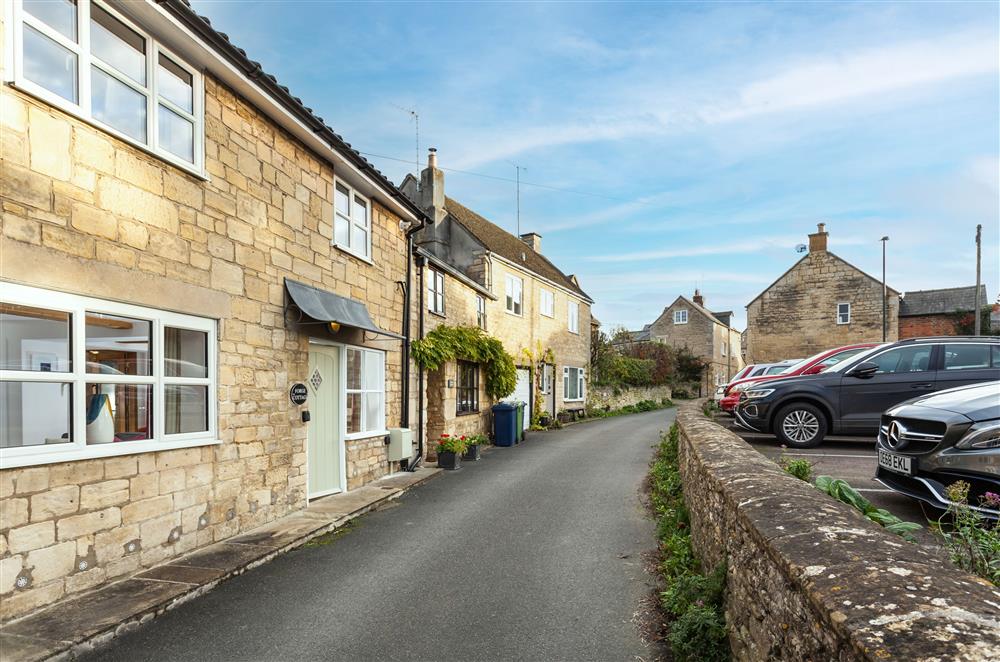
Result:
182,241
516,294
938,312
709,335
821,302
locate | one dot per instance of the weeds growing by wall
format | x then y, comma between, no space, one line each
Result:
693,602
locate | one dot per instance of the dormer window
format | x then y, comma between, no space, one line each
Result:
681,316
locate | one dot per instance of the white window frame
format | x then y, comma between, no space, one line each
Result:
83,109
434,294
77,449
366,432
352,196
725,348
514,299
481,311
573,317
581,384
547,302
839,314
681,316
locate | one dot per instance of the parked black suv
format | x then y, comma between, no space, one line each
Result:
928,443
850,398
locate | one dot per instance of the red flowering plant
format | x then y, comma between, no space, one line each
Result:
449,444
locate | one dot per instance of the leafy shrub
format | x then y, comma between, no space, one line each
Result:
801,469
699,635
973,543
682,393
710,408
695,590
468,342
841,490
667,402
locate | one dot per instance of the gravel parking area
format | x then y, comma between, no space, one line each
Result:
850,458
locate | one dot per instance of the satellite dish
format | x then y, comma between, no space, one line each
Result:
801,248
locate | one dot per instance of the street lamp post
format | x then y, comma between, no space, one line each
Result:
885,301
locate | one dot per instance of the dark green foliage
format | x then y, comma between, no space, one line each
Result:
699,635
699,629
625,363
472,344
801,469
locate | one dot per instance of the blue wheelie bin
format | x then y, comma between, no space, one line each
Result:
504,424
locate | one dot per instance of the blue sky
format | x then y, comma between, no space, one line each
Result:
703,141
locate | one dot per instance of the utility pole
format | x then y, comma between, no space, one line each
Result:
979,257
885,300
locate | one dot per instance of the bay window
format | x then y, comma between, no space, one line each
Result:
352,222
89,60
365,392
82,378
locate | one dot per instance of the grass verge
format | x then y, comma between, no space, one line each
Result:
692,602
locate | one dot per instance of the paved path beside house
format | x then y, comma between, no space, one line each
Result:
532,553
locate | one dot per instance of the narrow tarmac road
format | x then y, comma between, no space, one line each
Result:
532,553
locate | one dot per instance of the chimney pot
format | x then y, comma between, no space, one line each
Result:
698,299
432,157
817,240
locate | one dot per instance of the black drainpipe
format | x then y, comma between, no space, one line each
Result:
412,466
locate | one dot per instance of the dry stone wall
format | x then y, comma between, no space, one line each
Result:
810,578
612,397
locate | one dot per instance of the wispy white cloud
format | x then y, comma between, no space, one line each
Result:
744,246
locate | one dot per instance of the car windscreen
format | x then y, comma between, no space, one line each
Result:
857,358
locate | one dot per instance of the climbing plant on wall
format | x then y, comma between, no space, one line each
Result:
537,359
469,343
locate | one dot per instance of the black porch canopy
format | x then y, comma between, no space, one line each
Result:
325,307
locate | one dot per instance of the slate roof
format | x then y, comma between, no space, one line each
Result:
940,302
200,25
509,247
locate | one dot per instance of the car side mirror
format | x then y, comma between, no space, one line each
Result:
814,370
864,370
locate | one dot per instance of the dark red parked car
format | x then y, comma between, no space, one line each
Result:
811,366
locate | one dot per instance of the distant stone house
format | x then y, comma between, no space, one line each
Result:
176,230
822,301
535,309
938,312
709,335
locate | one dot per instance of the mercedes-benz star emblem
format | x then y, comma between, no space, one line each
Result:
895,437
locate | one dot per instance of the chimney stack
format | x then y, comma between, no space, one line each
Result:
432,188
534,240
698,299
817,240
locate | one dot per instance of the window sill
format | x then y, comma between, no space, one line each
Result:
573,399
52,455
359,256
468,413
354,436
513,314
437,314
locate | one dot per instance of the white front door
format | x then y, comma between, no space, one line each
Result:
325,447
522,392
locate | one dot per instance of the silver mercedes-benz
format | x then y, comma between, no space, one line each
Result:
930,442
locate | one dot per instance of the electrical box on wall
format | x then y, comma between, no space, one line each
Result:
400,444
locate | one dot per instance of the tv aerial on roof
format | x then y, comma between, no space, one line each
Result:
801,248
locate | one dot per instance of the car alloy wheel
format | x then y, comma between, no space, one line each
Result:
800,426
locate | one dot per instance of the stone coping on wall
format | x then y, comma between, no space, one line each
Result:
810,578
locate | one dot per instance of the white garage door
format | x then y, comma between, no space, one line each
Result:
522,393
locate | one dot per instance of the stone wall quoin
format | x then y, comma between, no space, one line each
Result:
809,578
